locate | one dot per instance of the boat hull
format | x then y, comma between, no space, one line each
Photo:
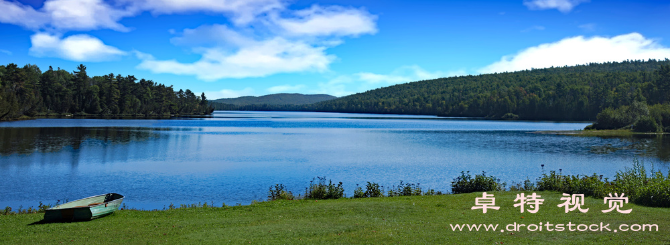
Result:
85,209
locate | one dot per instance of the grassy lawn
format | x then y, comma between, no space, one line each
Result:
419,219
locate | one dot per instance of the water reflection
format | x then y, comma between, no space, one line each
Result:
655,146
29,140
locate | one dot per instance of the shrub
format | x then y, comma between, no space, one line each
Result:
641,189
279,193
646,124
358,192
319,189
510,116
661,113
466,184
405,189
612,118
372,190
526,186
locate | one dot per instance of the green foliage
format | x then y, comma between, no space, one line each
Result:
560,93
466,184
318,189
646,124
510,116
371,190
527,185
28,92
640,188
279,192
622,117
408,189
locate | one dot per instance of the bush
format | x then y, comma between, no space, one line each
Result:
510,116
405,189
526,186
641,189
466,184
612,119
646,124
372,190
279,193
573,184
661,113
319,189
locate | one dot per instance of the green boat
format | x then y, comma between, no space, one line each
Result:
85,209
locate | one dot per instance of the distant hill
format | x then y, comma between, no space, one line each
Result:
558,93
277,99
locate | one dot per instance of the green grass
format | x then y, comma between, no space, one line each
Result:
413,219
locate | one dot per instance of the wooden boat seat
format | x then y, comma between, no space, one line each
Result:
92,204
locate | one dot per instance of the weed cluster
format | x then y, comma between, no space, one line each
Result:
371,190
640,188
41,208
465,183
318,189
405,189
279,192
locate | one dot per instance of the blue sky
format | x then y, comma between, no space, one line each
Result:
231,48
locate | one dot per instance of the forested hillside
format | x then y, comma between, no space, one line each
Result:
28,92
559,93
277,99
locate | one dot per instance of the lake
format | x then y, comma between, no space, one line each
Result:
234,157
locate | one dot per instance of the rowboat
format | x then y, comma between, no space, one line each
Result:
85,209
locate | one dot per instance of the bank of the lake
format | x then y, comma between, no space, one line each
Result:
594,132
416,219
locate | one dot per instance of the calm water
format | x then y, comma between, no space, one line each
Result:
234,157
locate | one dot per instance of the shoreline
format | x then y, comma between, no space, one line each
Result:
615,133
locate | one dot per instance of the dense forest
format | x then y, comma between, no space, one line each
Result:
27,92
557,93
277,99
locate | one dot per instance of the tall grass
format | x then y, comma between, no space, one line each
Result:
466,183
641,188
318,189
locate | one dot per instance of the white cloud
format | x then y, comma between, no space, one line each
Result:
65,15
75,48
229,93
404,74
581,50
285,45
212,35
6,52
241,11
257,59
326,21
564,6
265,39
360,82
286,88
18,14
85,15
336,86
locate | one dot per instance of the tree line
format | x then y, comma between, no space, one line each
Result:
28,92
557,93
